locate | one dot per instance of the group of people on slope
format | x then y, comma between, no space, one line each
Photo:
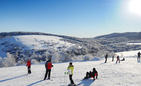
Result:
48,67
117,58
93,74
70,68
123,59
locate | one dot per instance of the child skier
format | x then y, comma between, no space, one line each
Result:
28,64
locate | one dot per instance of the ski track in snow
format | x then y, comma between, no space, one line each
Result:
127,73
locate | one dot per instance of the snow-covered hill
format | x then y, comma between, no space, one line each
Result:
40,47
127,73
37,47
33,42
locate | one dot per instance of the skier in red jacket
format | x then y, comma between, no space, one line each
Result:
28,64
48,67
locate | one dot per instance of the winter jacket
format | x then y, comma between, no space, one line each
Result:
117,57
28,63
70,69
139,54
106,56
48,65
94,73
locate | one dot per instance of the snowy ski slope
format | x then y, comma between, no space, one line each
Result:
127,73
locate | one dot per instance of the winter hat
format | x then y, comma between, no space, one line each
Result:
93,68
70,63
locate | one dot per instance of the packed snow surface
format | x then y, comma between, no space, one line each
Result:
126,73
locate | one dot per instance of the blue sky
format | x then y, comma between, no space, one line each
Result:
80,18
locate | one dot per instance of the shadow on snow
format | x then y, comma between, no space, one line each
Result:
13,78
35,82
86,82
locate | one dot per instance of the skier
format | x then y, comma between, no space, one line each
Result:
138,58
94,74
106,56
28,64
118,60
48,66
70,71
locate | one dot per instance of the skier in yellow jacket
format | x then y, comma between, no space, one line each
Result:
70,71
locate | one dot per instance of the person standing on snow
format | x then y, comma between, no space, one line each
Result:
106,56
28,64
113,57
139,55
70,71
118,60
48,66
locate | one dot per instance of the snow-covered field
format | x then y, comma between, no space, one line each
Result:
127,73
